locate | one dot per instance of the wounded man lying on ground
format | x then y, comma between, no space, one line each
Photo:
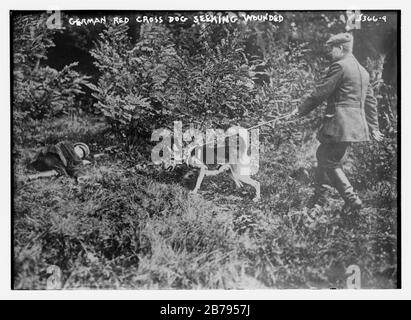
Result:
63,158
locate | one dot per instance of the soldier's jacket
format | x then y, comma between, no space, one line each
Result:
351,106
60,157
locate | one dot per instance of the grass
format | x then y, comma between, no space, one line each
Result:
128,228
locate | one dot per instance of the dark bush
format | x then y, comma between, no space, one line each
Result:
38,90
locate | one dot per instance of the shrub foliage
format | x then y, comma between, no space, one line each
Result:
39,91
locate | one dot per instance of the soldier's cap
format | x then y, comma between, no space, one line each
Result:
83,147
340,39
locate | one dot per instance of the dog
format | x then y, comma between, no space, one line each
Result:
240,170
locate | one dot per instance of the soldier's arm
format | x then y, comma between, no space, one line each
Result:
323,89
45,174
370,108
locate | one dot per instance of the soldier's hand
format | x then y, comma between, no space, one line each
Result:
377,135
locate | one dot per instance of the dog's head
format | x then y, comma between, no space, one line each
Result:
175,158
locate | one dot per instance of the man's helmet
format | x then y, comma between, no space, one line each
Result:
83,147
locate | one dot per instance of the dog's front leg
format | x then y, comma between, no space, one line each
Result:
257,192
199,180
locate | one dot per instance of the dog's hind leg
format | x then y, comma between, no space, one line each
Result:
253,183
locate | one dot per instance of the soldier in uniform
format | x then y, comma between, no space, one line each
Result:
63,158
351,116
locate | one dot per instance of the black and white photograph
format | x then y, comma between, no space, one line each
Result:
205,150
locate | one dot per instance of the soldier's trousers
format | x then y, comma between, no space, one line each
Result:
329,171
331,155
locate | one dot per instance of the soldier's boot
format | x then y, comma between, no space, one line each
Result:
319,197
343,186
